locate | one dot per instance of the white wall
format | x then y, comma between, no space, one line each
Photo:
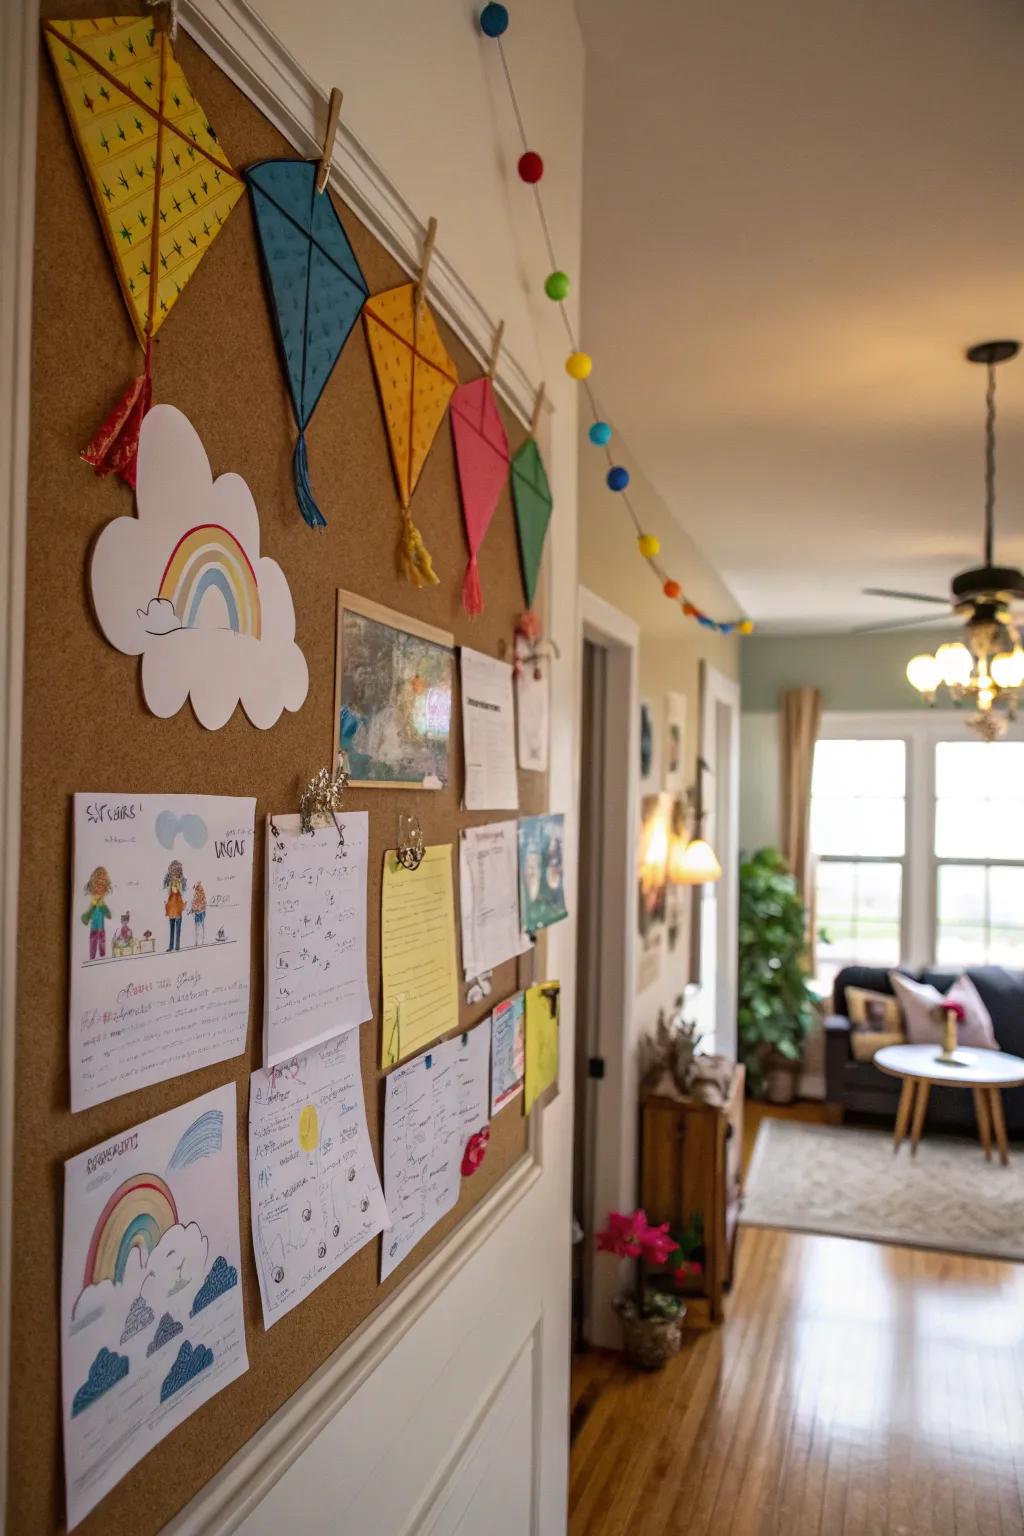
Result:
404,1428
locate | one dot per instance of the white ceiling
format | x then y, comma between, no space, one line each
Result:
796,217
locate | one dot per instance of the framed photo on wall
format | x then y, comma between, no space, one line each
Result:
394,679
675,743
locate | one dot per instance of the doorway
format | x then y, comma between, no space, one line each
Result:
718,938
604,1124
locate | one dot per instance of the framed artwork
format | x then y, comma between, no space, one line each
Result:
650,766
394,679
652,885
675,743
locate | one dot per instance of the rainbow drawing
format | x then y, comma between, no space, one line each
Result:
210,557
137,1215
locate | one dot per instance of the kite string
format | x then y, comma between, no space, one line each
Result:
669,586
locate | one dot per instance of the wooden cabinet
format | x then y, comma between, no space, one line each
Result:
691,1162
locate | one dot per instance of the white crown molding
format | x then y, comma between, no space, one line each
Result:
18,76
244,47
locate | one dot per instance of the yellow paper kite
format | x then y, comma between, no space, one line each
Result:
162,185
416,379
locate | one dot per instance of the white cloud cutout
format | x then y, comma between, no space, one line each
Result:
183,586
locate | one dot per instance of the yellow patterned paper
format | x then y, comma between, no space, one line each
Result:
415,376
162,185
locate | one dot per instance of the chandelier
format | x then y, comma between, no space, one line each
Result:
988,670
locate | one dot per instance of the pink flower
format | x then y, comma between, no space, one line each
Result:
656,1243
620,1236
687,1268
956,1009
476,1147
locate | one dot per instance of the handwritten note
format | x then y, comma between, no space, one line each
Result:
541,1040
432,1106
533,708
488,733
489,896
161,908
508,1051
316,983
315,1195
420,977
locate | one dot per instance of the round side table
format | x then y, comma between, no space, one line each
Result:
986,1073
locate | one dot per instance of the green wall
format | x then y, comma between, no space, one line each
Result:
865,672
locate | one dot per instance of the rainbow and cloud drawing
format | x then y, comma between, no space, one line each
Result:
183,586
146,1278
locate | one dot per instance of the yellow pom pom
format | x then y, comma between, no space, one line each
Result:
649,545
578,365
746,627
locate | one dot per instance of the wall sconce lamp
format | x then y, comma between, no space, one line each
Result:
691,858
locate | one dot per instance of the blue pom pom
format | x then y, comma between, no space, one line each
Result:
618,478
493,20
600,434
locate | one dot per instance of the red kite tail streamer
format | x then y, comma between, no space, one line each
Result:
115,448
472,596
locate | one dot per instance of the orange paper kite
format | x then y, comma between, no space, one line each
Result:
162,185
416,379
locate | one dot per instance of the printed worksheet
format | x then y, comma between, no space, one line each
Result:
488,733
417,938
432,1107
508,1051
489,896
314,1191
316,983
151,1308
161,908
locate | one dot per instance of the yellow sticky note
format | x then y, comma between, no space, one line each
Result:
309,1130
541,1040
417,935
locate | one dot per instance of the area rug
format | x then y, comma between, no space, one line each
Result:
848,1182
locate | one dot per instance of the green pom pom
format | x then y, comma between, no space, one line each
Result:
556,285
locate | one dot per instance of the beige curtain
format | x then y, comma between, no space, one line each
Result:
799,718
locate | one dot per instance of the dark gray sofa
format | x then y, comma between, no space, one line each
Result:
860,1087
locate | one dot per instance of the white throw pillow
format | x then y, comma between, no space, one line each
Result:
918,999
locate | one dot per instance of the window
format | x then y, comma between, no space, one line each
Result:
979,846
858,837
918,845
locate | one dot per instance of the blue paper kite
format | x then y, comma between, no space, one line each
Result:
315,286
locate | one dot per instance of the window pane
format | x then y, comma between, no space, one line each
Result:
859,768
858,912
959,947
981,915
979,808
961,894
857,800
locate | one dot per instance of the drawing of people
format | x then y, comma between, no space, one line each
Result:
198,911
176,887
98,887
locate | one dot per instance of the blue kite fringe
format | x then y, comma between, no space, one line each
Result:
303,490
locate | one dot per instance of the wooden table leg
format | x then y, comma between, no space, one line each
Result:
984,1121
995,1104
906,1104
920,1108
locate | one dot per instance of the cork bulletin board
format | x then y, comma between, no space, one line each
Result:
86,728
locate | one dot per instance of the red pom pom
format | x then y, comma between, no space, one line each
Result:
689,610
671,589
531,166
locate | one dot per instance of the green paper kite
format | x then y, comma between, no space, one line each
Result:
532,496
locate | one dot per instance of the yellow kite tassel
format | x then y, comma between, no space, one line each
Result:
414,556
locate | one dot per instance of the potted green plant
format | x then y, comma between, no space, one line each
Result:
776,1006
652,1312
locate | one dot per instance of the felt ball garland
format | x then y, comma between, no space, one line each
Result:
494,22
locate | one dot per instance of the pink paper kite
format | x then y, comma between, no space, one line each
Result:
481,453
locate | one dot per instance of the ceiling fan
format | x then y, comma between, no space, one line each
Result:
983,596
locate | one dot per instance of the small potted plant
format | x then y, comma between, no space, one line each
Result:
651,1313
776,1006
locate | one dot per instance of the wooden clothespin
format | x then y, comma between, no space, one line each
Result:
331,133
538,406
428,251
492,366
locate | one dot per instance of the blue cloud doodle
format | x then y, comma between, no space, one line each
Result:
166,1329
220,1279
187,1366
140,1315
204,1138
191,827
105,1372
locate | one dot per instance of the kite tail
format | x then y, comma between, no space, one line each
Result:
303,490
472,596
115,447
414,556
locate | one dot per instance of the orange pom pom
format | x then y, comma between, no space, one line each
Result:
672,589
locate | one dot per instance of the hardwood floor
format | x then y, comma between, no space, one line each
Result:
855,1389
